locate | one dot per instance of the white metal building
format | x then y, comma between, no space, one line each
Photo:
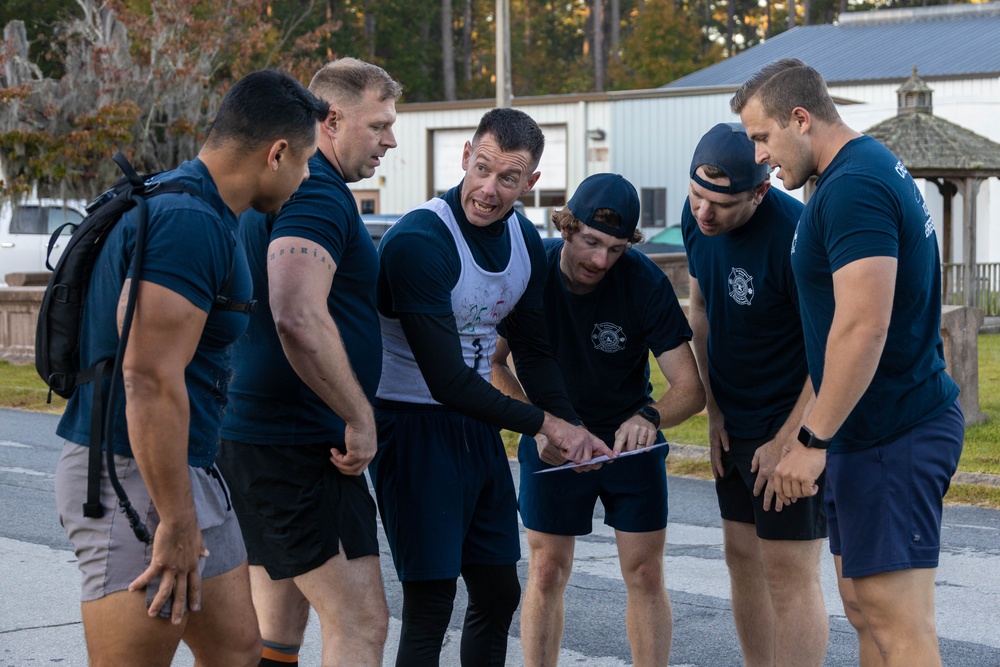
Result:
648,136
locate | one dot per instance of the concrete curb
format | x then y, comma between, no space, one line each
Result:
700,453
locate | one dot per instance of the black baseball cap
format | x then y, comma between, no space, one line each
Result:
610,191
728,148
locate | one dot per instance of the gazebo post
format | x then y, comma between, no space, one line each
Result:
970,192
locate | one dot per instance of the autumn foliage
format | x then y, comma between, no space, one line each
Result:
139,76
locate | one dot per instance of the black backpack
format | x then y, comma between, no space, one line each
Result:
60,318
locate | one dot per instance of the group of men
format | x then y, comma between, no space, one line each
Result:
805,323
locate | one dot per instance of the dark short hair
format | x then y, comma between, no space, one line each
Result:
513,130
781,86
564,221
265,106
347,79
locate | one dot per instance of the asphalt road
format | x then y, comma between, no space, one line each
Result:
39,583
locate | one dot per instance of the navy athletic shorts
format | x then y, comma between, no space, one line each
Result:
444,490
633,492
295,508
805,519
884,502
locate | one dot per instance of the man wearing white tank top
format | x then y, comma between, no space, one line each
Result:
449,271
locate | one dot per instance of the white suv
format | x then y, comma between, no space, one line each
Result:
25,228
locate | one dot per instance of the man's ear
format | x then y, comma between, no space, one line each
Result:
278,152
466,154
802,119
531,182
331,123
758,196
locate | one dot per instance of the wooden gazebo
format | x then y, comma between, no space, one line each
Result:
955,159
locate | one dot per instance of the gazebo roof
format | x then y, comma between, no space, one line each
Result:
925,142
932,146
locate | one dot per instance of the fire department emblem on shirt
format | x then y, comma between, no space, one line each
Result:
608,337
741,286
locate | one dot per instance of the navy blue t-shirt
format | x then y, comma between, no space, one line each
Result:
602,339
191,248
867,205
756,353
270,404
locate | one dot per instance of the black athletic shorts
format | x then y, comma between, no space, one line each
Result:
804,519
295,507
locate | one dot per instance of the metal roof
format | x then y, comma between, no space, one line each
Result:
950,41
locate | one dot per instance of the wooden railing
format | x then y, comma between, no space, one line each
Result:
987,286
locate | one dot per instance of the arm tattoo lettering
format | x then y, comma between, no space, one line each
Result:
302,250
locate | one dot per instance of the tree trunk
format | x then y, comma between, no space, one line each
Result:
791,14
448,51
370,33
467,40
731,27
807,10
616,28
768,31
597,14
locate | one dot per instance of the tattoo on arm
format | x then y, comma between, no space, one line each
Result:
123,303
303,251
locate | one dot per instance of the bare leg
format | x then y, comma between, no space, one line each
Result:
349,598
898,608
282,610
542,611
801,625
752,610
648,618
868,651
225,631
120,633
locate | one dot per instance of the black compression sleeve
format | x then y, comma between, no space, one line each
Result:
437,350
537,369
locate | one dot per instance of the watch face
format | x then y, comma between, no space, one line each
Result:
650,413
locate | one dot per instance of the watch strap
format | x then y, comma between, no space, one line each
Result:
809,439
651,414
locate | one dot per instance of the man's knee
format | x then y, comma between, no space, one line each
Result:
790,576
742,550
549,573
644,575
374,623
242,651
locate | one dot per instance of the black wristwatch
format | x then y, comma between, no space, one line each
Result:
649,413
809,439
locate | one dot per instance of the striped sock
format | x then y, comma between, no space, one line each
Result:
279,655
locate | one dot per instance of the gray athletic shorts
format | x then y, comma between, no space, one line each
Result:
110,557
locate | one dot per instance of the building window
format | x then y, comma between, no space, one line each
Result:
367,206
654,207
544,198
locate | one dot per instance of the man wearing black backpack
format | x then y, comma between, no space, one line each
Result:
140,600
300,430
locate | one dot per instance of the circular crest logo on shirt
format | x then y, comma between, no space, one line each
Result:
741,286
608,337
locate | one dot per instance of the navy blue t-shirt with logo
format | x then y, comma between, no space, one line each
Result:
866,204
602,339
756,353
191,248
